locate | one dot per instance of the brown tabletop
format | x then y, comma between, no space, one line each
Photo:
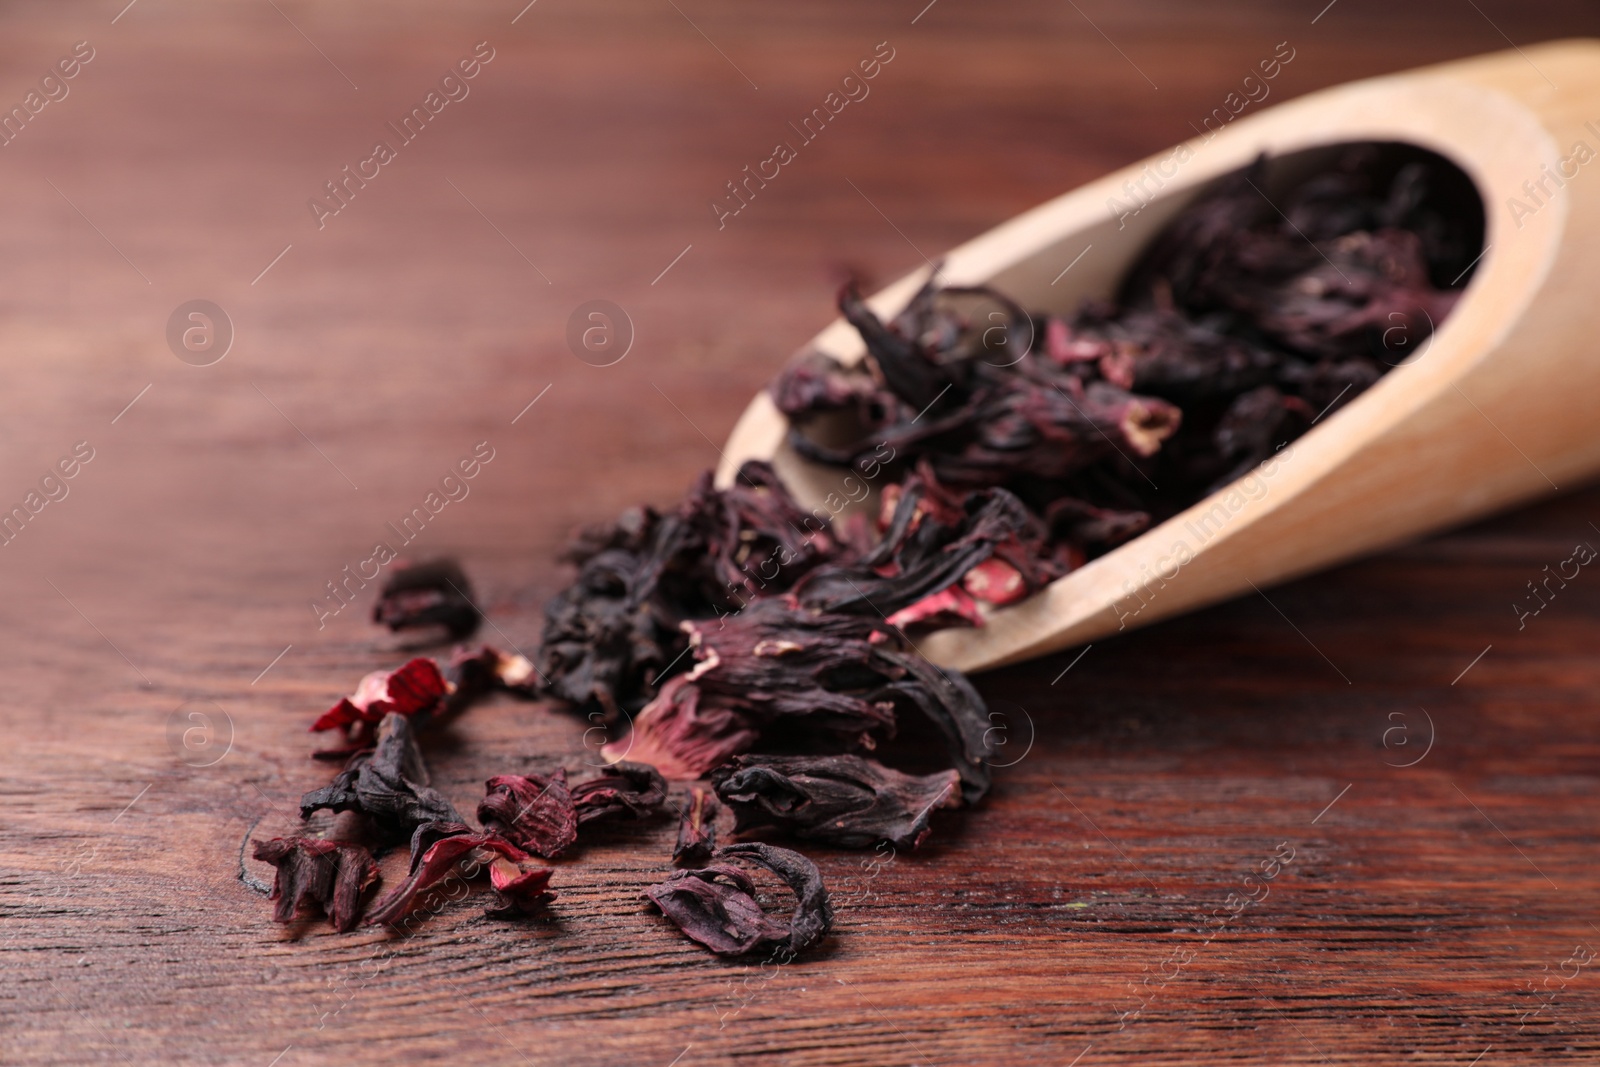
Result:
1413,767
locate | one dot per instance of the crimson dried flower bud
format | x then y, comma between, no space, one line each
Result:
535,812
839,800
697,832
329,876
624,788
389,785
716,905
433,593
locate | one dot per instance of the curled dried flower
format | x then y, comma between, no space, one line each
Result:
610,635
716,905
436,850
430,594
329,876
389,785
523,889
942,397
697,832
945,698
839,800
534,813
625,788
777,668
474,673
681,734
605,642
932,540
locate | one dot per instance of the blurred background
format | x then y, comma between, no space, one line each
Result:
372,347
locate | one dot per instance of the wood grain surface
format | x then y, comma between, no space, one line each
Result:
1437,912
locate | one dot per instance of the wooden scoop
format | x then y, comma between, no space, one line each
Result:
1499,406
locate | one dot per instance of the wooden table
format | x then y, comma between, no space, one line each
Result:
1429,913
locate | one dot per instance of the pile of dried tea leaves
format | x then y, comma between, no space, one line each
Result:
744,641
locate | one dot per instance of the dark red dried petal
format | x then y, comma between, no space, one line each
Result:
535,813
474,673
679,738
523,889
716,905
328,875
433,866
428,594
625,788
841,800
697,832
413,689
950,607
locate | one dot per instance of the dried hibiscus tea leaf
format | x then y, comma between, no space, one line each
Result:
606,637
474,673
697,831
522,888
630,789
535,813
838,800
717,905
430,594
976,420
945,698
388,785
611,636
435,852
1107,420
778,663
415,689
679,737
837,680
329,876
933,540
